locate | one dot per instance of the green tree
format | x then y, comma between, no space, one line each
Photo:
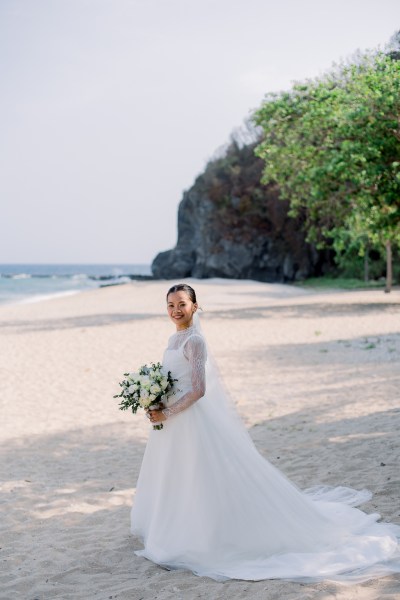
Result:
333,146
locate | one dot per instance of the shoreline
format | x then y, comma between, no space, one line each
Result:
128,278
37,297
314,376
33,282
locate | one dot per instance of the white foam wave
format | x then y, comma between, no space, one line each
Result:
40,297
21,276
79,276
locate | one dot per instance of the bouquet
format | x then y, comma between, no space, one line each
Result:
148,388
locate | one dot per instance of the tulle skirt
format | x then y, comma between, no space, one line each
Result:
208,502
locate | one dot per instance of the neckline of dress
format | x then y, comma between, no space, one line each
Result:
182,331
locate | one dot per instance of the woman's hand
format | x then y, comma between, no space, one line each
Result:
156,416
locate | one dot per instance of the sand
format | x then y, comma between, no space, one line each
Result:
315,376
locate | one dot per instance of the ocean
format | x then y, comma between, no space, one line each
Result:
34,282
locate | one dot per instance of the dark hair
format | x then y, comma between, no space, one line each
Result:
183,287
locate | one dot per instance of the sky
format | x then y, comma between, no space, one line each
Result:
109,109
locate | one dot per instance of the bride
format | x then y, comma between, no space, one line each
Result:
208,502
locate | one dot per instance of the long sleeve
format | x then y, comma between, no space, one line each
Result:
195,352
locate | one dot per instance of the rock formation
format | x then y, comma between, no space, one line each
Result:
231,225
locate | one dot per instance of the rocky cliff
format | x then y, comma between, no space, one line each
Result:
231,225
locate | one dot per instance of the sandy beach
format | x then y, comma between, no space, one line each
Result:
315,376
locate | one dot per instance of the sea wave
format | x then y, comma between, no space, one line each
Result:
32,283
80,276
20,276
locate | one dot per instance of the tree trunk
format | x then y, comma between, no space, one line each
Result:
389,271
366,267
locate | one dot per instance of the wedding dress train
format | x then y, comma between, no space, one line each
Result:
207,501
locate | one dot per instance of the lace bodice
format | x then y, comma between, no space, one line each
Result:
186,357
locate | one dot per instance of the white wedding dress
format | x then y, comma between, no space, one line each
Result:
207,501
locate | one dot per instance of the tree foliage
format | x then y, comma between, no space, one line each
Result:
333,147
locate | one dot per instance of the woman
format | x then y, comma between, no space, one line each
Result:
207,501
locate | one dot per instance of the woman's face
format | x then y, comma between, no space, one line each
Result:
180,309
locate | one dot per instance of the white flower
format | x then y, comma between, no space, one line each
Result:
145,381
164,383
144,402
132,388
133,376
155,389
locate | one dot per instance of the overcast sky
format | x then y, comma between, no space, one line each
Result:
110,108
